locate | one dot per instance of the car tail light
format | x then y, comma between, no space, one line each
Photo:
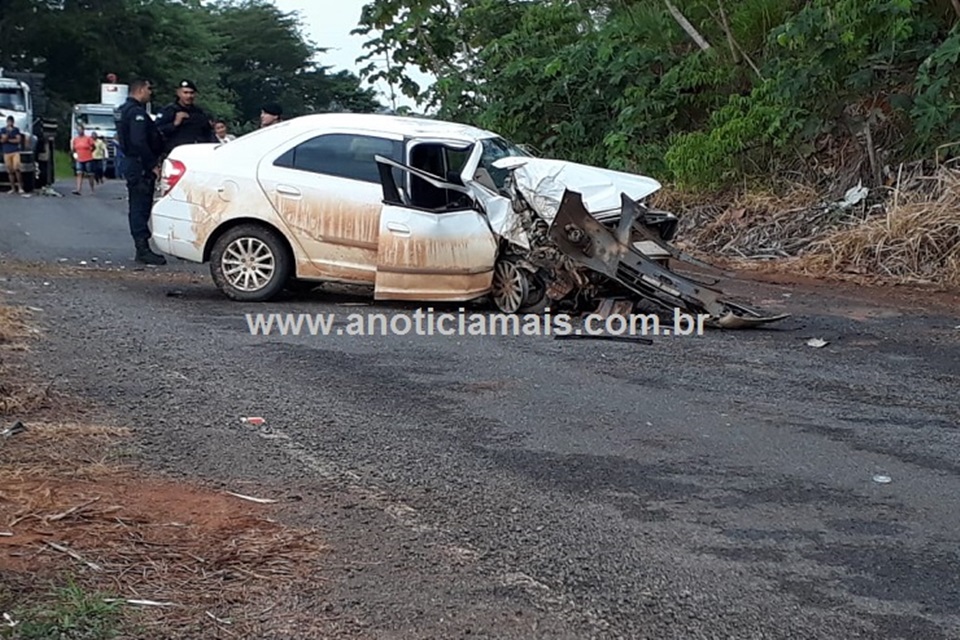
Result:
173,170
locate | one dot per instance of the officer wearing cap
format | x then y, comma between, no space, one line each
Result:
183,122
270,113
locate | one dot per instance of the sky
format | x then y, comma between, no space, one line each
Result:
328,24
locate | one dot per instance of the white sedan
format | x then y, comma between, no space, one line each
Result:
422,210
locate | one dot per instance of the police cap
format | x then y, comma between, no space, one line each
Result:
272,108
187,84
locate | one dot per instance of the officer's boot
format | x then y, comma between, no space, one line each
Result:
146,255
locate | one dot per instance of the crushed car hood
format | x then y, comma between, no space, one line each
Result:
542,182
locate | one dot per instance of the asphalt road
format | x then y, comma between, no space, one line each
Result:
520,487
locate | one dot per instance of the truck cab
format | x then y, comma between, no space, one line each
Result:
99,118
16,101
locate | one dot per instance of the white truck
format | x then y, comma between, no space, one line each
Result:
101,117
17,101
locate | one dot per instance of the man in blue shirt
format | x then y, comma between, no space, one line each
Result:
12,142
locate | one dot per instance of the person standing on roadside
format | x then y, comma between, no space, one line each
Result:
12,142
183,122
99,157
270,113
83,147
141,144
220,129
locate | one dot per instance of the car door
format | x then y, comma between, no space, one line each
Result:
426,253
326,189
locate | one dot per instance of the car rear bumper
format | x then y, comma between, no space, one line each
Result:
172,226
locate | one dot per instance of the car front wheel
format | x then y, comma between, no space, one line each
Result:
250,263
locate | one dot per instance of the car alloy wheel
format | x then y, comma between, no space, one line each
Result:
251,262
248,264
510,286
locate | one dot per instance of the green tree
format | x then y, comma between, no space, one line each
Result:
706,92
265,58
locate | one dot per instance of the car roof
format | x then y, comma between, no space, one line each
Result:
387,123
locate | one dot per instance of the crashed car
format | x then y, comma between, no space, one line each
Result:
422,210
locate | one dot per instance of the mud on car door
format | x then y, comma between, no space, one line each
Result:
436,248
325,188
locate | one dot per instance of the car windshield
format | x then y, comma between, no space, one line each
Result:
12,99
496,149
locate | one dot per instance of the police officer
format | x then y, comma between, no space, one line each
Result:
141,145
183,122
270,113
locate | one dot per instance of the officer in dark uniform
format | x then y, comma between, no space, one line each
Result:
141,145
183,122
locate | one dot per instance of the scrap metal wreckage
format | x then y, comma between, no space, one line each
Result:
575,257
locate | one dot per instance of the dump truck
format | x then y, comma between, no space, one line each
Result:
16,100
22,96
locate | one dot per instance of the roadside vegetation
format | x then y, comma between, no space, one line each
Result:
757,114
63,164
70,612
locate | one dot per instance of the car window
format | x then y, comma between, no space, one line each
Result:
343,155
495,149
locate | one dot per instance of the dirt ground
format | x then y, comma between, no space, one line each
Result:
872,291
176,559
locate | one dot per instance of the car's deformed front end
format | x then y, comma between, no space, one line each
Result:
580,236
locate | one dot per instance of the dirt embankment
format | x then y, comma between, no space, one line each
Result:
92,543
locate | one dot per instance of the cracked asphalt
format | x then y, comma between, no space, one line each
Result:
719,486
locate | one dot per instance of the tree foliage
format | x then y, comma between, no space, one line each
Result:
240,54
623,83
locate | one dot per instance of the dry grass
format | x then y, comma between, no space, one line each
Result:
220,562
753,225
764,226
100,270
78,451
73,506
907,233
13,326
17,395
916,240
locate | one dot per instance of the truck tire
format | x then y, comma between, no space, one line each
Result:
29,181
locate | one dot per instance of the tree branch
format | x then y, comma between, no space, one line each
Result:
686,26
734,45
726,29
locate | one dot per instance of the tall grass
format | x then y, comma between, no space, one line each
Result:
63,165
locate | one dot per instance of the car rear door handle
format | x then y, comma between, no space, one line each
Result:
399,229
289,191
